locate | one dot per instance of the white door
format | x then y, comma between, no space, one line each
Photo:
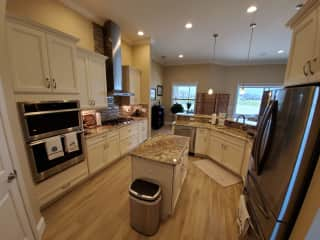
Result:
98,81
14,224
62,61
28,59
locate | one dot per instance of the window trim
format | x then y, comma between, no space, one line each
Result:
251,85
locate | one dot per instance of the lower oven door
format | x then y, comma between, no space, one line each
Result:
43,168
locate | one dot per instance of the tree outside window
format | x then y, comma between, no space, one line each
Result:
186,96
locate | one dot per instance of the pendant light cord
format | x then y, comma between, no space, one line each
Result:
252,27
215,36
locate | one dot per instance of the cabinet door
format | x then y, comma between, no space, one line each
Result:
96,156
98,81
232,157
82,69
28,59
202,137
143,131
303,49
215,148
113,146
62,61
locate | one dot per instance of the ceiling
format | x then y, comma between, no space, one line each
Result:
163,21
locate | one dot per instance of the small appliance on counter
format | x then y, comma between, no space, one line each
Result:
53,135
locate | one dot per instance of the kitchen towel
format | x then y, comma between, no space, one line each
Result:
71,142
54,148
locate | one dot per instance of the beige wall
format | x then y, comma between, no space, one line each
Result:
126,51
223,79
156,78
54,14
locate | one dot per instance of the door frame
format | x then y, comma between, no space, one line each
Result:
6,98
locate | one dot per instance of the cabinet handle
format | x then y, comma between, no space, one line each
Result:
310,65
304,69
54,83
48,83
94,102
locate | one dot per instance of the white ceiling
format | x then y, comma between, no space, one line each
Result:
163,21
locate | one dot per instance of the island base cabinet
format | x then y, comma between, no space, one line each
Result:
169,177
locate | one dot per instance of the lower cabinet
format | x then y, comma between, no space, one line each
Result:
143,130
49,190
228,151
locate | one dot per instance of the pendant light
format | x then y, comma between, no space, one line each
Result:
252,27
215,36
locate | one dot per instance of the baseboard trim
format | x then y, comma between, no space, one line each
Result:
41,226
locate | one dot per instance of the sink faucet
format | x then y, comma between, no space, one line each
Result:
243,118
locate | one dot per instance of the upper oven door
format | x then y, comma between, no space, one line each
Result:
46,124
46,119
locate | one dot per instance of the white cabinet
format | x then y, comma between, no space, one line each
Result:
53,187
62,55
143,130
171,178
304,59
112,147
131,83
202,140
233,156
92,78
96,150
41,60
215,148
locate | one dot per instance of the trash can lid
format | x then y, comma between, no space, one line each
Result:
145,190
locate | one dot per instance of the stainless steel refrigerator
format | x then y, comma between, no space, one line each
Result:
284,155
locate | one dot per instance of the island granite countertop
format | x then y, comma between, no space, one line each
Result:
167,149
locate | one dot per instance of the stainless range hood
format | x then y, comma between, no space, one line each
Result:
112,46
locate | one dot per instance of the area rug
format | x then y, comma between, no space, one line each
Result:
217,173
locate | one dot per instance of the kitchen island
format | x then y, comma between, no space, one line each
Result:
164,160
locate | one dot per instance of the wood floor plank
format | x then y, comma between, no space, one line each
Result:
99,209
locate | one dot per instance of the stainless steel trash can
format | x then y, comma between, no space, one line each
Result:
145,206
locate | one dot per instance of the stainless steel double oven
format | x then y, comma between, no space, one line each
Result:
42,120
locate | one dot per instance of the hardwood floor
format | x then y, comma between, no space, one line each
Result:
99,209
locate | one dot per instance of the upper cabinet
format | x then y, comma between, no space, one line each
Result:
131,83
92,79
304,59
42,60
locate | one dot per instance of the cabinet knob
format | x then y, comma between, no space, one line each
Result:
54,83
48,83
304,69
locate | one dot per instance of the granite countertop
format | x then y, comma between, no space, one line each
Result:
233,132
94,132
167,149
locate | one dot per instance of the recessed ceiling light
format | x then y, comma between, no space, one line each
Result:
188,25
281,51
180,56
252,9
140,33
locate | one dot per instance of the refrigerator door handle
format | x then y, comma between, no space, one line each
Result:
266,138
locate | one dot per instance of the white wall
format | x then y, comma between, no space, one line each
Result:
156,78
223,79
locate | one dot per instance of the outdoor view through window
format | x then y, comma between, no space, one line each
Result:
249,99
186,96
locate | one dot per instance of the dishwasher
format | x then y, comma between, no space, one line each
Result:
187,132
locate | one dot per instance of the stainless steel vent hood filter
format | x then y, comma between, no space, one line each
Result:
112,41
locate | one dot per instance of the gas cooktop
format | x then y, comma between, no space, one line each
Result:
117,121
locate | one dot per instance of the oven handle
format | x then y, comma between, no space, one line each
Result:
44,140
51,112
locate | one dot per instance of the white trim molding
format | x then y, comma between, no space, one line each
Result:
41,226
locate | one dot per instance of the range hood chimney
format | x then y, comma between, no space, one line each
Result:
112,46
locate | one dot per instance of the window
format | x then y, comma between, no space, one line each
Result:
185,95
249,99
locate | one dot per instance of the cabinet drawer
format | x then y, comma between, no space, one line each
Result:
60,183
229,139
112,134
96,140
